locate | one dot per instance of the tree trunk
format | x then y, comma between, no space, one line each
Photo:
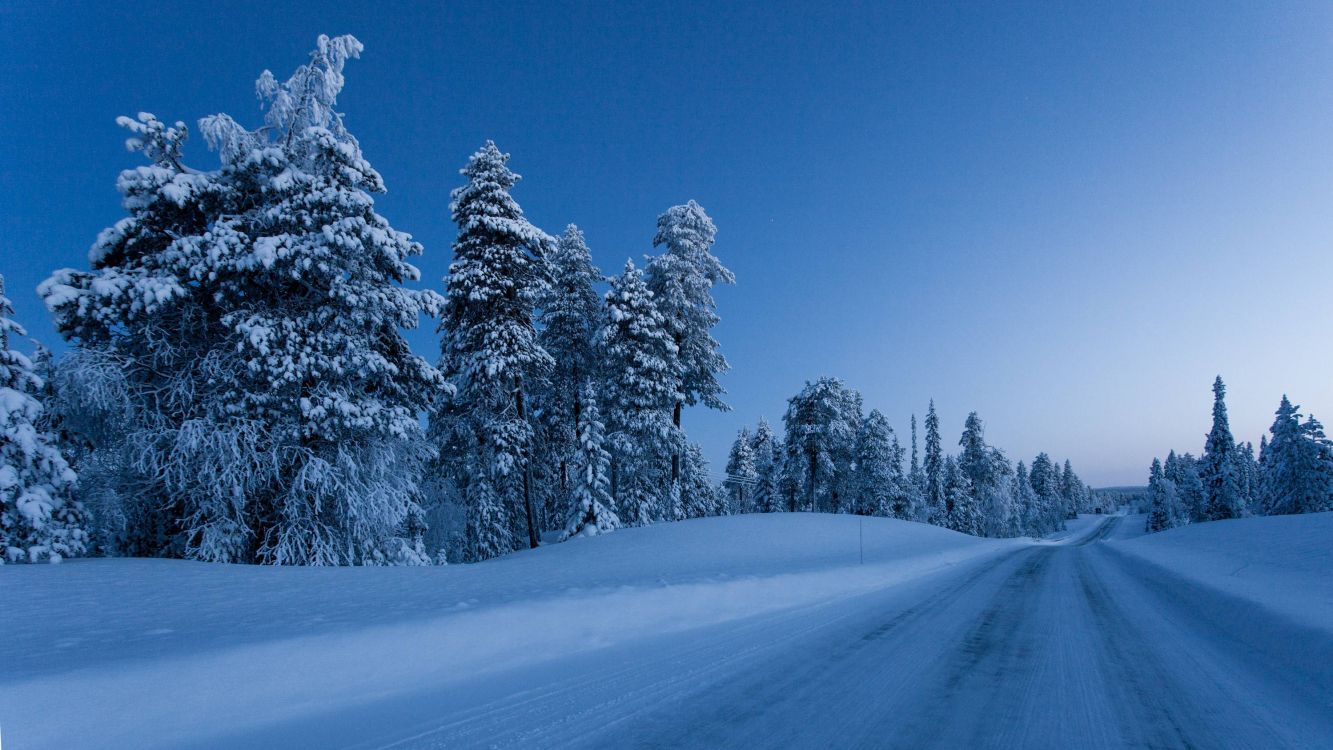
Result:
578,415
4,332
527,470
814,467
675,456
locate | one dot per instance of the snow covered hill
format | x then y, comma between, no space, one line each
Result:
667,625
110,647
1282,565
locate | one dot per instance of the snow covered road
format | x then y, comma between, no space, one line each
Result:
746,631
1048,645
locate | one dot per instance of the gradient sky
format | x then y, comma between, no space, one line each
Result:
1067,217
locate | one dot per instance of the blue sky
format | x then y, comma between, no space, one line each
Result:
1068,217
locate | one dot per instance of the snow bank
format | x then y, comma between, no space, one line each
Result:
1278,564
99,650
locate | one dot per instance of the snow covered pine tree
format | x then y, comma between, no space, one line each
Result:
571,314
681,280
257,313
741,472
491,354
1218,467
591,512
39,519
642,384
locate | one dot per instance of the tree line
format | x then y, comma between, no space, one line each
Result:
1292,472
237,387
837,458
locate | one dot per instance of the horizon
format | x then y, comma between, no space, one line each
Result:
1025,215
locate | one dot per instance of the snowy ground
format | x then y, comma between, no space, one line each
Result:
755,630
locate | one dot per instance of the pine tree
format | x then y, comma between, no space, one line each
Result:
878,479
741,472
1218,469
252,318
987,471
681,280
39,518
1045,482
591,512
903,497
1298,467
489,346
571,315
960,506
821,424
1071,491
699,497
1028,507
1182,470
934,464
916,483
1163,510
1250,478
639,357
768,469
1321,449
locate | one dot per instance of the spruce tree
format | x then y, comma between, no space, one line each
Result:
960,505
987,471
489,347
640,360
742,475
591,512
933,468
1071,490
681,279
916,483
1045,482
1298,468
982,463
39,517
251,319
1250,478
1321,457
699,497
1027,506
1183,470
1218,469
1163,511
821,425
768,468
877,478
571,314
903,497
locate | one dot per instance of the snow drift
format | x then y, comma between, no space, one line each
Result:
1278,565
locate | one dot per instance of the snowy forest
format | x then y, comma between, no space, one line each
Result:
836,458
1291,473
237,388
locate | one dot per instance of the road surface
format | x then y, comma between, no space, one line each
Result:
1048,645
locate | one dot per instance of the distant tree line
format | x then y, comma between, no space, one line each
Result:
1292,472
837,458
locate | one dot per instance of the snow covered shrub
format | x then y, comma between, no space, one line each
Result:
255,313
39,519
